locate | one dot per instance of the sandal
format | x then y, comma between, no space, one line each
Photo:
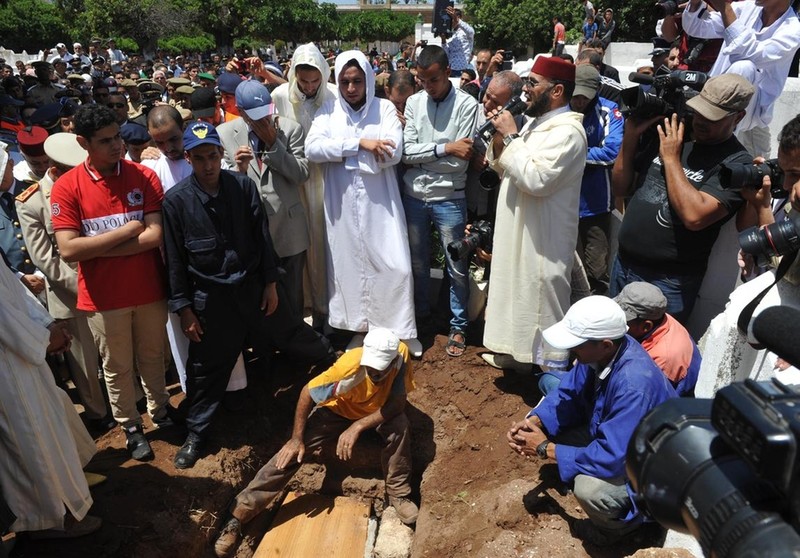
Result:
456,348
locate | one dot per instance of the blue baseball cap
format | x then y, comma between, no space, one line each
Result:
200,133
227,82
254,99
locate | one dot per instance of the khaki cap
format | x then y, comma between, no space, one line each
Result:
722,95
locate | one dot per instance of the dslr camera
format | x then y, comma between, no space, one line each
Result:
745,175
778,239
480,236
726,470
668,94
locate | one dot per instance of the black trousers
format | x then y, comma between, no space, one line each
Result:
232,321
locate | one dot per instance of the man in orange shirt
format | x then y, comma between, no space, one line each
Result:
559,36
662,336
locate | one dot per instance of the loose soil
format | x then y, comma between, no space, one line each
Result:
478,498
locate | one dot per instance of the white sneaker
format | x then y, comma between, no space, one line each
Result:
414,347
503,361
356,342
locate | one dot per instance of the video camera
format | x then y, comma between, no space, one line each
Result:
480,236
666,8
725,470
668,93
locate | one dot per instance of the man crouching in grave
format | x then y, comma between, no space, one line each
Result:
364,389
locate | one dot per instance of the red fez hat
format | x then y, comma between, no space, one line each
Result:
554,67
31,140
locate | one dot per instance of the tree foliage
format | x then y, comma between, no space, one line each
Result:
375,25
31,25
519,24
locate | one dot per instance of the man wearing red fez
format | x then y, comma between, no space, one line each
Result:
536,226
36,162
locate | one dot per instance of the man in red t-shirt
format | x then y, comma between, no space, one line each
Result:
559,36
107,217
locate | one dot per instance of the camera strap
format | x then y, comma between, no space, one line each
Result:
746,314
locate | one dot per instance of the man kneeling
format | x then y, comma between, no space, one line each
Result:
366,388
585,425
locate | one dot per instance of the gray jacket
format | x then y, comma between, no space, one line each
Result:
432,176
284,170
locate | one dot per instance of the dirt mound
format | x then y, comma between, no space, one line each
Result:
478,498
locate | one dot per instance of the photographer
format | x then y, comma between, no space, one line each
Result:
536,226
678,205
724,347
459,46
760,40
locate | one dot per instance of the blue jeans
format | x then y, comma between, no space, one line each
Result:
549,381
449,217
680,290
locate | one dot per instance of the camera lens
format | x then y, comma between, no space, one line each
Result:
489,179
776,239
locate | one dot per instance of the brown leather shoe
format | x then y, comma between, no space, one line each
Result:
407,511
229,539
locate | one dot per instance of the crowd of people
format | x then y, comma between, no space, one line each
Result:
177,212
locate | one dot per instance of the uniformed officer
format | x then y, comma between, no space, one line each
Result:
134,98
35,161
33,209
223,281
11,239
172,85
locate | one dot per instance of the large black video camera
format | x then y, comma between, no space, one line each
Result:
668,94
725,470
480,236
666,8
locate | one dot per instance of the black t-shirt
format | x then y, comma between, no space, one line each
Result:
652,235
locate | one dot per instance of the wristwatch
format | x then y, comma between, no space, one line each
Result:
541,449
509,138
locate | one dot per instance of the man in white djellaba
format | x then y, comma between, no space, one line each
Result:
358,139
42,449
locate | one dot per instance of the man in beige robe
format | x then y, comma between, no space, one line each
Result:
536,225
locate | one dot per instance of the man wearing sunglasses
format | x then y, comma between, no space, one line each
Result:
536,226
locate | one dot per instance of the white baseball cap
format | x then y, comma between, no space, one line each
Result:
380,348
593,318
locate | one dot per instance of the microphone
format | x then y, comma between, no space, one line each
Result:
775,328
644,79
515,106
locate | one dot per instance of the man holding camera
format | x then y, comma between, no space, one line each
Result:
678,204
459,46
536,226
760,40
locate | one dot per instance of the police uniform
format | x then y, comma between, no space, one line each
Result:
33,208
12,240
220,257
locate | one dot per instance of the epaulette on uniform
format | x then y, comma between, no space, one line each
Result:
27,193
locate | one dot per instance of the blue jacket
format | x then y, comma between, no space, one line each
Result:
604,125
612,407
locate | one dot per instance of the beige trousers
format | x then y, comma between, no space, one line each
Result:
132,339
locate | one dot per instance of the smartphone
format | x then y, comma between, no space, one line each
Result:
508,58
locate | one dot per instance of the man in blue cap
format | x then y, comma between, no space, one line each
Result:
222,279
272,153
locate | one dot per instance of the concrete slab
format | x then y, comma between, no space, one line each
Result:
316,526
